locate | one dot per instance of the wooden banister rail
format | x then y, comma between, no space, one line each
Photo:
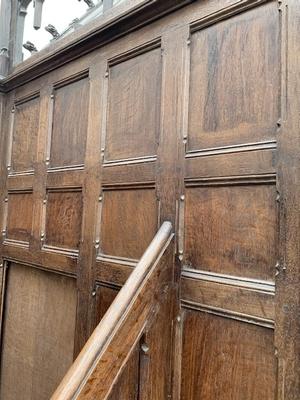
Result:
105,354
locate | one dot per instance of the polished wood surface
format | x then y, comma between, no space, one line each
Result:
192,119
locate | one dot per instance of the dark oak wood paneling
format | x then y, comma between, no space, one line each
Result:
25,133
19,216
105,295
125,214
127,385
235,67
232,230
232,163
224,359
186,111
287,334
63,219
228,222
240,301
70,114
134,106
38,337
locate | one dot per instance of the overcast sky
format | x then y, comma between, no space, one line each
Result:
56,12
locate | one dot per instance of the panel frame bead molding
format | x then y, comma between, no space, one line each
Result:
18,214
225,101
68,123
23,134
62,220
134,75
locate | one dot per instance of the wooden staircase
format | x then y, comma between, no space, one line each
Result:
99,365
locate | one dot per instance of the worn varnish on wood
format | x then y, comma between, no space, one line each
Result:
192,119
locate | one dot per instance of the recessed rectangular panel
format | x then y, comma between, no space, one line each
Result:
19,216
69,131
231,230
226,359
127,385
104,297
38,337
134,96
240,300
234,82
24,140
63,219
129,222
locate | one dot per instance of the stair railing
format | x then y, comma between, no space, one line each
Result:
101,361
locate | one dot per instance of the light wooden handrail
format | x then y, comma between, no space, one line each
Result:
87,360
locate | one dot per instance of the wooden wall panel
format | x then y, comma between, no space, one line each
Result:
24,140
134,107
185,111
126,214
232,230
234,69
63,218
19,216
240,301
39,325
70,119
105,295
225,359
127,385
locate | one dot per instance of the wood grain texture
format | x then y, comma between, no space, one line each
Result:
232,230
113,273
104,297
106,353
134,107
19,216
126,213
69,129
63,219
155,364
91,184
234,68
128,173
39,324
243,301
240,163
206,104
287,335
25,135
127,385
144,305
226,359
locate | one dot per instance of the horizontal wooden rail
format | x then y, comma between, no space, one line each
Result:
104,355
